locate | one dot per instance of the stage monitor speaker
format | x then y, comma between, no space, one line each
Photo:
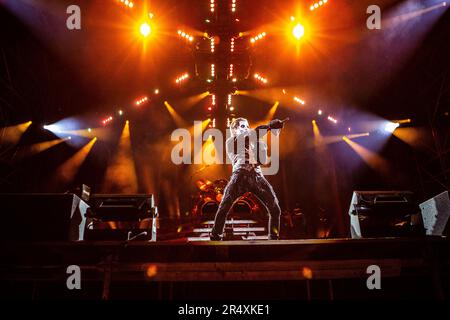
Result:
435,214
42,217
122,217
384,214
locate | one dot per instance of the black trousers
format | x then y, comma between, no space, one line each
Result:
243,181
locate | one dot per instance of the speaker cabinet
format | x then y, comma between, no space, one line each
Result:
42,217
435,213
384,214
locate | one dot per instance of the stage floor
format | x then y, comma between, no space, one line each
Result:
290,261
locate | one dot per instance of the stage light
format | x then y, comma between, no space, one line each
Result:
175,116
33,149
270,115
298,31
258,37
317,5
185,36
127,3
212,44
120,112
213,99
156,91
372,159
391,126
229,99
212,6
231,70
331,119
261,78
12,134
182,78
297,99
141,101
231,108
107,120
232,45
89,130
402,121
121,172
319,112
53,128
357,135
233,6
68,169
213,70
145,29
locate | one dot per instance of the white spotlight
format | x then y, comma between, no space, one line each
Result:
391,126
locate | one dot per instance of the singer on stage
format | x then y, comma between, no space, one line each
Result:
247,152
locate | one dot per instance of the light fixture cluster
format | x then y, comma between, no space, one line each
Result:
317,5
185,35
258,37
233,5
212,6
107,120
330,118
127,3
212,44
141,101
231,70
232,45
297,99
182,78
260,78
213,70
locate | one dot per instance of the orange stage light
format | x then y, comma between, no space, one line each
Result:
145,29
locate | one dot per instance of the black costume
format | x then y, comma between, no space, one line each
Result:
247,177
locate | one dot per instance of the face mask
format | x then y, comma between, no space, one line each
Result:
242,127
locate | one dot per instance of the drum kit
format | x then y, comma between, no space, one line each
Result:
210,193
